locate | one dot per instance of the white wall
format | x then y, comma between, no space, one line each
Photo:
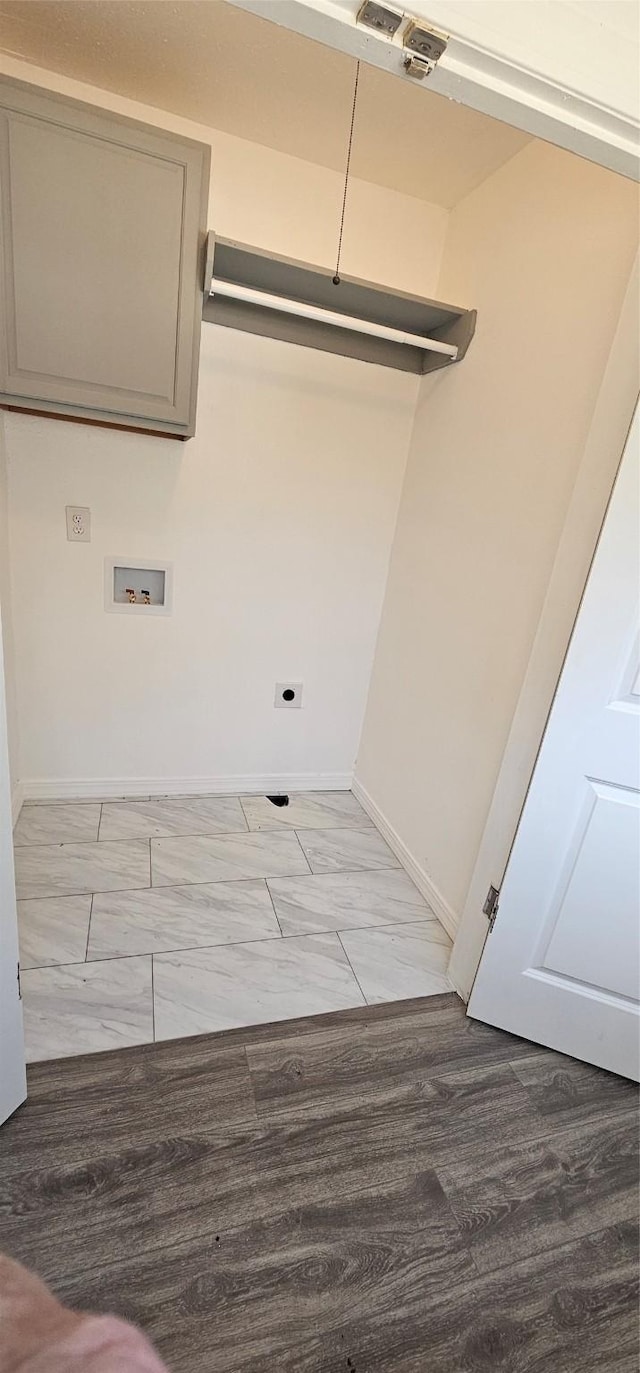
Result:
598,466
293,208
13,1087
278,516
544,249
6,641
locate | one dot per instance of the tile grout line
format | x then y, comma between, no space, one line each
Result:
266,883
142,839
82,891
391,925
171,886
99,823
215,881
37,802
303,852
86,951
211,834
112,958
353,970
233,944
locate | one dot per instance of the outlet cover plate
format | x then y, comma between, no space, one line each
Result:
78,523
281,702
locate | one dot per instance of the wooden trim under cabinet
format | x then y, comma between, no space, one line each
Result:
99,424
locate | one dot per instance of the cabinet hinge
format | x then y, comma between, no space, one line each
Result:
490,907
19,987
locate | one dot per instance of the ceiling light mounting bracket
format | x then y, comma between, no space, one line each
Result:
380,18
423,48
417,66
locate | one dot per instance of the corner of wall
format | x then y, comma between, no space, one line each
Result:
6,631
496,448
611,416
425,884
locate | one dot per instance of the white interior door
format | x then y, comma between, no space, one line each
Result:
562,964
13,1081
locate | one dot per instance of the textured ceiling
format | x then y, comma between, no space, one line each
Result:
209,62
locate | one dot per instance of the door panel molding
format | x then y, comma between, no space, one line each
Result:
567,932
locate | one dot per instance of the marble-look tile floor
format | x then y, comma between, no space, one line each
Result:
159,918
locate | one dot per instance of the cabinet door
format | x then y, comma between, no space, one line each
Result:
103,227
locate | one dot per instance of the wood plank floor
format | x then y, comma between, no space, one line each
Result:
394,1189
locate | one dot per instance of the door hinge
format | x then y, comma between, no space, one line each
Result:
19,987
490,907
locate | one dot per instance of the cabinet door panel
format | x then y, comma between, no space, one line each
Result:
102,225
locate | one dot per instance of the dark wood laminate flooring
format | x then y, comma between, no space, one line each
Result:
395,1189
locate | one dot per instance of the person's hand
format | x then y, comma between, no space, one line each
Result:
40,1335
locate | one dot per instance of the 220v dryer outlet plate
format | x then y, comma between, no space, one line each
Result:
288,696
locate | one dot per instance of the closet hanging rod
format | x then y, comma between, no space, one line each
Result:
234,291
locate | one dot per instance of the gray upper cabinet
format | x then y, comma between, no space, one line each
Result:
103,238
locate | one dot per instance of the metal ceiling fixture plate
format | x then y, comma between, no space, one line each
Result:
417,66
426,43
380,18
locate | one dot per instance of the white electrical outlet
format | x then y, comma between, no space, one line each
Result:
78,524
288,696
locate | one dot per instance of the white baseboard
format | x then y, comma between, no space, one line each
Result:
426,886
100,788
17,799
